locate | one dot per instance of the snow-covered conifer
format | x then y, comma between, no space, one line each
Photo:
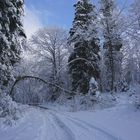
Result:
10,31
83,61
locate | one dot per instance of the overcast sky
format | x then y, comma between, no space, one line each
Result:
46,13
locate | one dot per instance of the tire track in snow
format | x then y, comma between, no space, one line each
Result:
95,128
53,128
87,126
77,132
81,124
68,133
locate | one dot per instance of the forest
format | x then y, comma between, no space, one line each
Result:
56,80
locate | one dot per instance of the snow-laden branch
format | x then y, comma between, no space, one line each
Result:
11,93
77,59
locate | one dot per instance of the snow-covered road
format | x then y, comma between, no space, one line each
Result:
108,124
78,129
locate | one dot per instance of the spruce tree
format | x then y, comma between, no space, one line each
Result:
10,32
83,61
112,45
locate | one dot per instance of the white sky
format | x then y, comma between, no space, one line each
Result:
31,22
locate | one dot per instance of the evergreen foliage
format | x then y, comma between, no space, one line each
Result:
10,31
83,61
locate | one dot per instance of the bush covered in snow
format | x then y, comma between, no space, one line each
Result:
134,95
93,87
9,110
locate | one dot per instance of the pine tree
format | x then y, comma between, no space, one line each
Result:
112,45
10,32
83,61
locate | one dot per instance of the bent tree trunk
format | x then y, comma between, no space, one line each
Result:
11,93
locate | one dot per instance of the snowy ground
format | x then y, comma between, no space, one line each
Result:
117,123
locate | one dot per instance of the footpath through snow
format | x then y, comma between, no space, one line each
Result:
117,123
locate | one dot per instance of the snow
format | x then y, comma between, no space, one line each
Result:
121,122
9,110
